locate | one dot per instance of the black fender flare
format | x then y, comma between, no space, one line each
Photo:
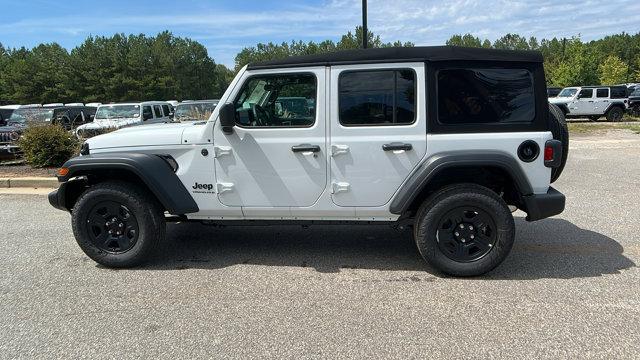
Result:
429,169
156,173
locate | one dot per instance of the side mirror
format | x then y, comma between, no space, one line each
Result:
227,116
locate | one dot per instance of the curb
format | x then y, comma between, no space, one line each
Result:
29,182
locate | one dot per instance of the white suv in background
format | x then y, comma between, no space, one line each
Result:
115,116
592,102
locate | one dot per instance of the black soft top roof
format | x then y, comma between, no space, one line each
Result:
402,54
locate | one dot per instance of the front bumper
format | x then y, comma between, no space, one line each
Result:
541,206
9,150
57,198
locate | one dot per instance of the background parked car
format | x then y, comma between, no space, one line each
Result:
592,102
115,116
195,110
67,116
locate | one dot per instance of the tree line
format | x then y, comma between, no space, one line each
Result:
116,68
139,67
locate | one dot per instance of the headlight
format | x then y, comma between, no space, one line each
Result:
14,136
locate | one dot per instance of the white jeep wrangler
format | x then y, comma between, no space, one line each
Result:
592,102
444,139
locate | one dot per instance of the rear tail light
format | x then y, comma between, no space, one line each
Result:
552,153
548,153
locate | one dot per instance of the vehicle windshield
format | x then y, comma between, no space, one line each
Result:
194,111
117,112
568,92
31,115
635,92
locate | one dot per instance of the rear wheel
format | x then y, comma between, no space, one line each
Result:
615,114
117,224
464,230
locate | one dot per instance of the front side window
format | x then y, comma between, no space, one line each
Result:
602,93
282,100
377,97
482,96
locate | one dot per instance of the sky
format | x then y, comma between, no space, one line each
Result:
225,27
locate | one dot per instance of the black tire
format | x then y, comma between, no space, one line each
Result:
139,225
558,127
615,114
435,240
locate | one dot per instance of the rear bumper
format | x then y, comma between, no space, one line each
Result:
541,206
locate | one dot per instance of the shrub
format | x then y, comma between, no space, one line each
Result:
48,145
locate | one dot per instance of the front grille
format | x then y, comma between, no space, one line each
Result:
5,137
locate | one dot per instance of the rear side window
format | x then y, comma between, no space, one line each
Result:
481,96
165,109
602,93
378,97
586,94
157,110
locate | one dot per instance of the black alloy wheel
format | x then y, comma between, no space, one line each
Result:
112,227
466,234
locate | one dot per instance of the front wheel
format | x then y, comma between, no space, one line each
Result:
117,224
464,230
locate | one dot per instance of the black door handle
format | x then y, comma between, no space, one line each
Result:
305,148
397,146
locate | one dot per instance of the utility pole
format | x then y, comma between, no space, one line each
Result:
365,32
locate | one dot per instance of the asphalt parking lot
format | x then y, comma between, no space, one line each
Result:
569,289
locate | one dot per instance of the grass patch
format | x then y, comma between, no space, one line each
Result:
590,128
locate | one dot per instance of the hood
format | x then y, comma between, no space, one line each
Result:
144,135
560,100
111,123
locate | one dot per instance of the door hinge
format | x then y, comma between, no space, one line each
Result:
221,150
224,187
337,187
339,149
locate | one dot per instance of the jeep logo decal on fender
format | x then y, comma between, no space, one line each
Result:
203,188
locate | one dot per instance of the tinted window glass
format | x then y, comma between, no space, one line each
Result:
602,93
586,93
619,92
380,97
157,110
146,113
477,96
165,110
283,100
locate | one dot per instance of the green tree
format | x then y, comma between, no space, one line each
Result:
613,71
512,42
467,40
271,51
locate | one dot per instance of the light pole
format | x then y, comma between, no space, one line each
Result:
365,32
